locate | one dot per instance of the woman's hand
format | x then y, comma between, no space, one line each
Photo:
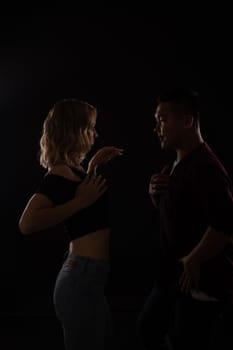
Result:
104,155
91,188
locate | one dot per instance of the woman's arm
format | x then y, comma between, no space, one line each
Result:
40,213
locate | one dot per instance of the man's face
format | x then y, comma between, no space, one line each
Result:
170,126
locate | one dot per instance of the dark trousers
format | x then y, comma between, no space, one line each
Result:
171,320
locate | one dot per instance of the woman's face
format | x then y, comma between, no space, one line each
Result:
92,133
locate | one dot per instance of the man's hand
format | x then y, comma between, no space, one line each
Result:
158,186
191,275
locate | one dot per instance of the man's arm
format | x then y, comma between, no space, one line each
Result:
216,198
212,243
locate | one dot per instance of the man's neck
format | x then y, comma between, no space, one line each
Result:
193,142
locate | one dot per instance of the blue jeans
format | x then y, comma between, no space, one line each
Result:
171,320
81,305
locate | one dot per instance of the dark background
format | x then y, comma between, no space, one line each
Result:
119,62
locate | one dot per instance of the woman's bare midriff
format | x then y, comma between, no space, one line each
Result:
94,245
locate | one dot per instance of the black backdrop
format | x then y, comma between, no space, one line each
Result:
119,62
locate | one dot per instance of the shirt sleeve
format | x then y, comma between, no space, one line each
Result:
216,194
48,187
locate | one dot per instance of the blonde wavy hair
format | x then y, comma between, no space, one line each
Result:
66,133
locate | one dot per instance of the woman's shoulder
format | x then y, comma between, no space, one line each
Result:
57,187
63,172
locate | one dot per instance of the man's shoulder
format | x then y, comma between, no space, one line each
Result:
208,159
207,166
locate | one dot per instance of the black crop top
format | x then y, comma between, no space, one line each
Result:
90,219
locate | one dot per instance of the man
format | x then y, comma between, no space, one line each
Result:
193,294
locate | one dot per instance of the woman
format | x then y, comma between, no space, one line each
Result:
78,199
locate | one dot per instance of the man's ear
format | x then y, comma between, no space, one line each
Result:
188,121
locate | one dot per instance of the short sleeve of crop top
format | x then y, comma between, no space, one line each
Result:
57,188
60,190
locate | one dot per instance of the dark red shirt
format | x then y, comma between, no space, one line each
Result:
199,195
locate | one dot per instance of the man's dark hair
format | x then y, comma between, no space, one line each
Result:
185,99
